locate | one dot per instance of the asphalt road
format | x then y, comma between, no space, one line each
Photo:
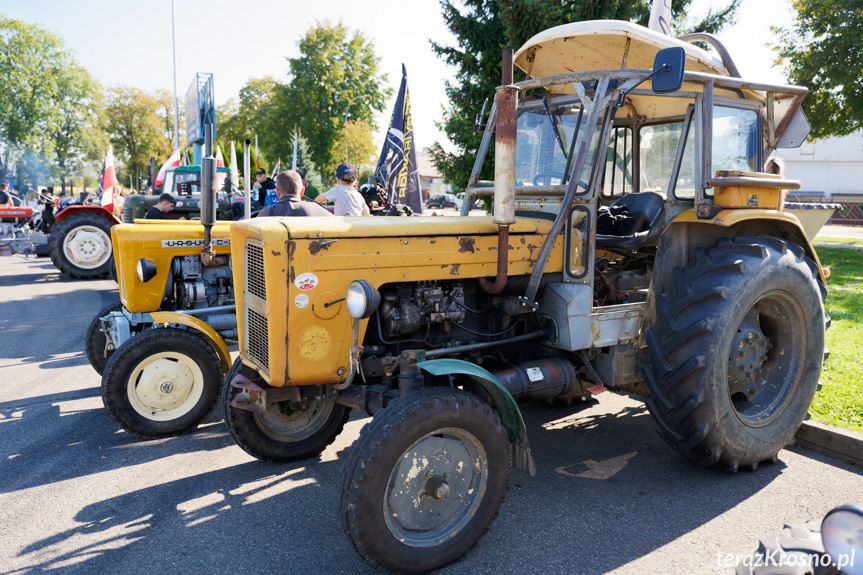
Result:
79,496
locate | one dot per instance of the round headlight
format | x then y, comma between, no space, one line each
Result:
362,299
146,270
842,534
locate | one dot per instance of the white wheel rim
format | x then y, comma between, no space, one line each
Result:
88,247
165,386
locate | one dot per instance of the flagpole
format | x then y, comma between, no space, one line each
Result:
176,104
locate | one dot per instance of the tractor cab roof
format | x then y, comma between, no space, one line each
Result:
560,57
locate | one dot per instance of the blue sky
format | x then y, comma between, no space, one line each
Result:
127,42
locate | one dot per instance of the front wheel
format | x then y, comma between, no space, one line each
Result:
96,340
736,351
285,431
162,382
80,246
424,481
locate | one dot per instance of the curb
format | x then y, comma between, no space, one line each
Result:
832,441
849,246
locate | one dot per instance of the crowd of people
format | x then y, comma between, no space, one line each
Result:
288,195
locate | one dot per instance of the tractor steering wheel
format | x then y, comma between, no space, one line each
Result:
547,176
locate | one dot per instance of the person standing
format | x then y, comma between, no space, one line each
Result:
347,199
164,206
259,189
289,187
5,199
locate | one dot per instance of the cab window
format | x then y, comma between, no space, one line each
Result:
658,152
619,160
735,140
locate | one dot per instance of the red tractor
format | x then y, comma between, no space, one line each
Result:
80,240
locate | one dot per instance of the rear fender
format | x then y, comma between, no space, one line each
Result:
72,210
201,326
501,399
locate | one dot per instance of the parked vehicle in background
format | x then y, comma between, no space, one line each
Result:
442,201
476,203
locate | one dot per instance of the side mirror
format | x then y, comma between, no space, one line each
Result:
668,69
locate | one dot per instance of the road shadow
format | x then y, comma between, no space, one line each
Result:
243,518
608,491
38,329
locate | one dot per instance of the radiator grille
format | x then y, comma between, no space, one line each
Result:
122,285
257,342
255,271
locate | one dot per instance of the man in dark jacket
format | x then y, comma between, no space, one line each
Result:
165,205
289,187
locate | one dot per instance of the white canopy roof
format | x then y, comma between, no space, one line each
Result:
604,45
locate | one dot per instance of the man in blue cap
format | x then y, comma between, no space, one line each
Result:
347,199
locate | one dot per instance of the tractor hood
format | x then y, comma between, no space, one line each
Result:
415,226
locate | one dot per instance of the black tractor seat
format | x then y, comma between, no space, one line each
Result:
647,213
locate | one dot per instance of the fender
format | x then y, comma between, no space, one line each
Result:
71,210
195,323
501,399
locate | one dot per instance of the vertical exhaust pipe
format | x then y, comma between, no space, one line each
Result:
506,104
209,183
247,177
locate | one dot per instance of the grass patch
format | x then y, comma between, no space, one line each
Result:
845,241
840,401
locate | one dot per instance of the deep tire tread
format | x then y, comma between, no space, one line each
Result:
55,245
397,420
689,319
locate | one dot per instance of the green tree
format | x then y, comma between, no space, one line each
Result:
822,50
484,28
355,144
79,137
251,114
136,126
335,79
49,105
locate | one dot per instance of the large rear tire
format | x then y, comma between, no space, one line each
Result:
95,339
736,352
284,432
162,382
424,481
80,246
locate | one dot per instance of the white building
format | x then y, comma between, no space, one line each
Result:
831,169
431,181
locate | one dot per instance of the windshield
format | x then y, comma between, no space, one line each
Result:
545,142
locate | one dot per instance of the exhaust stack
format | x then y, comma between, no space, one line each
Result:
209,184
506,103
247,178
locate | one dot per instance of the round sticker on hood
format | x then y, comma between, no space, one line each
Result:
302,300
306,281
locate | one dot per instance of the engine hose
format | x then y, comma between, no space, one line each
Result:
465,307
467,329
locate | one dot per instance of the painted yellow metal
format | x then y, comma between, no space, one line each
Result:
159,241
729,218
202,327
758,221
307,347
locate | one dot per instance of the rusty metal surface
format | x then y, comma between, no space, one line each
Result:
502,264
255,398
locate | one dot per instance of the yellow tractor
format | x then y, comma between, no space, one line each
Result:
636,244
162,350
